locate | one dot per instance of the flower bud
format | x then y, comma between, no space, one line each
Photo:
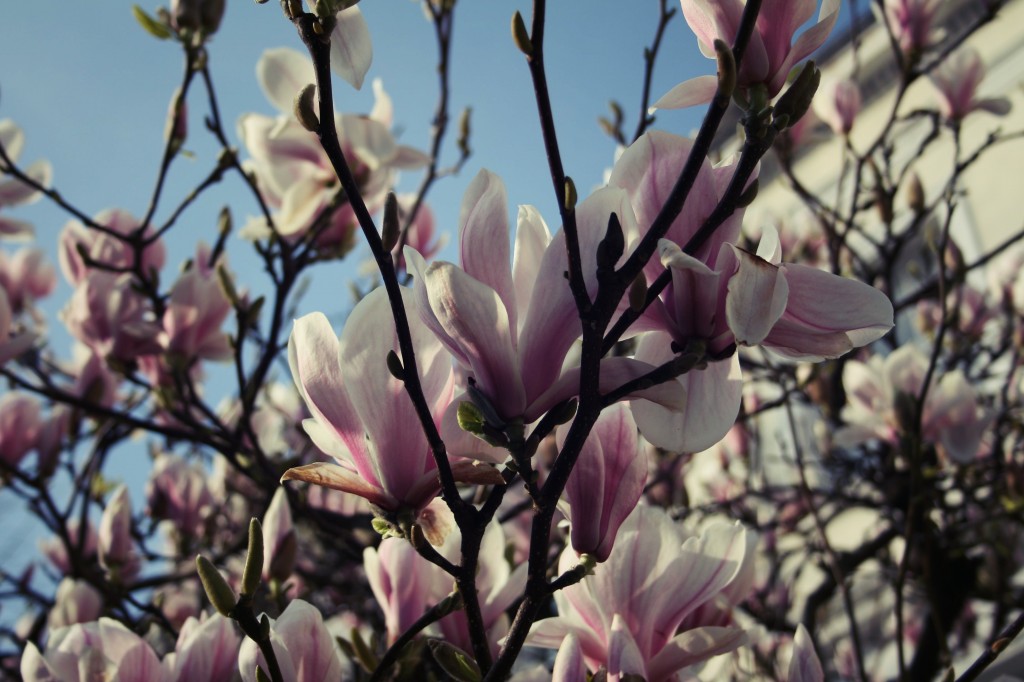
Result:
726,68
253,559
391,228
305,109
217,589
520,36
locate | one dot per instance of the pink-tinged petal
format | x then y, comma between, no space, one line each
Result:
301,629
250,656
606,483
711,19
339,478
624,657
615,371
532,239
838,102
695,646
403,583
551,325
689,93
713,398
351,49
569,664
135,659
804,665
209,652
827,315
17,192
35,668
313,358
19,230
483,238
1000,106
548,633
809,41
756,298
282,74
418,269
394,436
474,319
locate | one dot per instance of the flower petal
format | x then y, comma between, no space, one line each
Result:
351,49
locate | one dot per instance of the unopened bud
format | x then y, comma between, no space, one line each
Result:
520,36
638,293
305,109
915,193
610,248
390,229
253,559
470,418
569,197
749,194
395,366
464,131
292,8
726,68
564,413
217,589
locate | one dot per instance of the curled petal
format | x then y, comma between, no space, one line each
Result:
351,49
699,90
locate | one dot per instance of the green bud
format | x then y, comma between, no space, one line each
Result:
464,130
253,559
391,228
470,418
150,25
217,589
457,663
795,102
520,36
305,109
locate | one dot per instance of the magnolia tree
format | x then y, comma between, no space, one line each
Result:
620,449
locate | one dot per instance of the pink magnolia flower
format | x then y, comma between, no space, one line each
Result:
12,343
804,665
56,552
115,545
107,314
952,419
771,53
92,651
108,249
957,79
838,102
911,22
195,312
362,416
421,234
627,615
724,296
278,538
178,491
76,601
510,327
20,424
14,192
26,277
304,648
606,483
294,174
206,651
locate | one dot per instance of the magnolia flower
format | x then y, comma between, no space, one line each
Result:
910,22
179,492
294,173
206,651
952,418
804,665
14,192
11,344
304,648
103,650
510,326
76,601
627,614
26,277
278,538
771,53
115,545
107,314
55,551
606,482
362,415
838,102
102,247
957,79
20,423
723,296
195,311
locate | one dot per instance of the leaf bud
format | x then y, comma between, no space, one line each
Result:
217,589
395,366
305,109
795,102
569,197
520,35
391,228
726,68
253,559
638,293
